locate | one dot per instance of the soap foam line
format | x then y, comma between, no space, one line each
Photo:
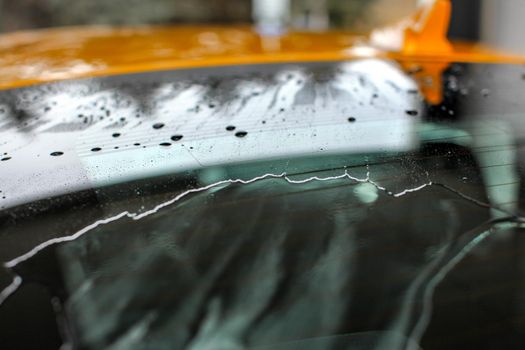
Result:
137,216
10,289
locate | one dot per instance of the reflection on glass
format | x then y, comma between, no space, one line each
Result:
345,216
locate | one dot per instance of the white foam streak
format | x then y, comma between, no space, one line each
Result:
53,241
10,289
411,190
4,294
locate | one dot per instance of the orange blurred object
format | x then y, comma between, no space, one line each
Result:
79,52
428,31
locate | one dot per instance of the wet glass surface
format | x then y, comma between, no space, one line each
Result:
306,206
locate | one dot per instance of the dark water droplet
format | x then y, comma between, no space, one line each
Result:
351,119
157,126
264,122
116,134
136,144
96,149
176,137
116,147
412,113
241,133
165,144
5,159
56,154
211,105
230,128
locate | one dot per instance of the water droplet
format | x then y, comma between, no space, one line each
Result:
56,154
230,128
136,144
412,113
116,134
176,137
351,119
241,133
96,149
165,144
158,126
5,159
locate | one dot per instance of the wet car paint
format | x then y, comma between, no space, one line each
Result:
72,136
83,52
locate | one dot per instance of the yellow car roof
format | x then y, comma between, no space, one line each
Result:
78,52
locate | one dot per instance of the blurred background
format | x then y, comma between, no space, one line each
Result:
359,15
498,23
